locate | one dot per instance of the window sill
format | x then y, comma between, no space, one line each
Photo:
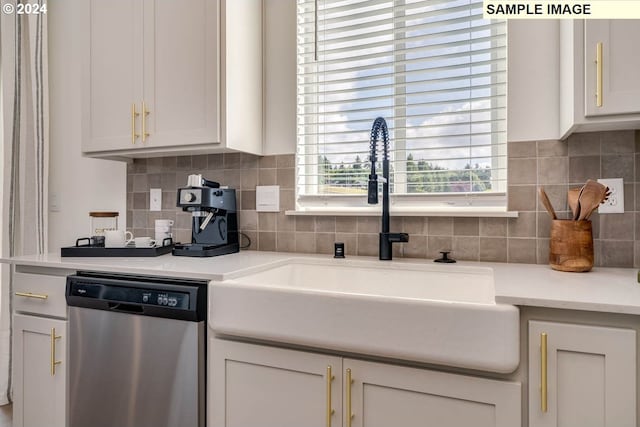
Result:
492,211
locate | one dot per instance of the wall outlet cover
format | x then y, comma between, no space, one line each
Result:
268,198
615,202
155,199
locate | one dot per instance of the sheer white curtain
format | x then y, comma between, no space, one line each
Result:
26,154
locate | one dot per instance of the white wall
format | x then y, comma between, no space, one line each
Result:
4,137
279,76
533,80
81,184
5,416
5,314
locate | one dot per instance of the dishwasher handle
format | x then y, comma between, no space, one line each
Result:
126,308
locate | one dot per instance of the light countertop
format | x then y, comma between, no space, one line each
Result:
613,290
210,268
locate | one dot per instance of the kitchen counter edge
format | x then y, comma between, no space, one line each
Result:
611,290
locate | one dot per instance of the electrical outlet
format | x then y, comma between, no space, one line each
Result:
615,202
155,199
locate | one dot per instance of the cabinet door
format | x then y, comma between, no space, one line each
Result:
258,386
620,65
590,375
385,395
181,72
112,73
39,393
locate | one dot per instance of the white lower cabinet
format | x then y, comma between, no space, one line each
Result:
586,377
387,395
254,386
259,386
39,371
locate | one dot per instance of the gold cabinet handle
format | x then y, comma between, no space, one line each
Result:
134,114
54,362
145,113
543,372
349,413
330,410
599,74
31,295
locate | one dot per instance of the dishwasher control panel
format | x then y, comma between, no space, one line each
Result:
131,295
168,299
139,295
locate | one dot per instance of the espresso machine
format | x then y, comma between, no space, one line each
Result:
214,218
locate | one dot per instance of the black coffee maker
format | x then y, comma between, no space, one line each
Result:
215,218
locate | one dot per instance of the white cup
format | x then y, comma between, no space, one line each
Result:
163,230
117,238
144,242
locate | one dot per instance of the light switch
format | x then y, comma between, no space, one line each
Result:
54,202
268,198
155,199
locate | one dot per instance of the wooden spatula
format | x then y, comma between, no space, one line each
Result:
546,202
572,199
593,193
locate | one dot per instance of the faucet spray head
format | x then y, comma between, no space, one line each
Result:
372,196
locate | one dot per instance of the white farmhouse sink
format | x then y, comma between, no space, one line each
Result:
443,314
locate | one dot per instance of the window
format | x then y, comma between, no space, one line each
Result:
435,70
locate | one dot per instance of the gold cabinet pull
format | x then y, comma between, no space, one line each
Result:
543,372
134,114
54,362
145,113
599,74
330,410
349,413
31,295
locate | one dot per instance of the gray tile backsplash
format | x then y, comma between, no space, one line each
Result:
558,165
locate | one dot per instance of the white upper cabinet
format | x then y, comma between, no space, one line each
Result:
180,68
111,78
605,94
613,84
164,78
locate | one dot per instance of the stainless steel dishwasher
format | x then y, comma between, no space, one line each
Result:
136,351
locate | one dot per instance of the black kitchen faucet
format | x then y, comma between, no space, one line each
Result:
386,238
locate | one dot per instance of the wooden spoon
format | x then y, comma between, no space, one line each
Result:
546,202
572,199
605,197
593,193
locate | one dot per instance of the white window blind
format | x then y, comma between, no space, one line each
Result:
434,69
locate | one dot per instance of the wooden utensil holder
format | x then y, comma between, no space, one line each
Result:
571,245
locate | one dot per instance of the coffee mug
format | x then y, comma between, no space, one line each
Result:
144,242
97,241
117,238
163,229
